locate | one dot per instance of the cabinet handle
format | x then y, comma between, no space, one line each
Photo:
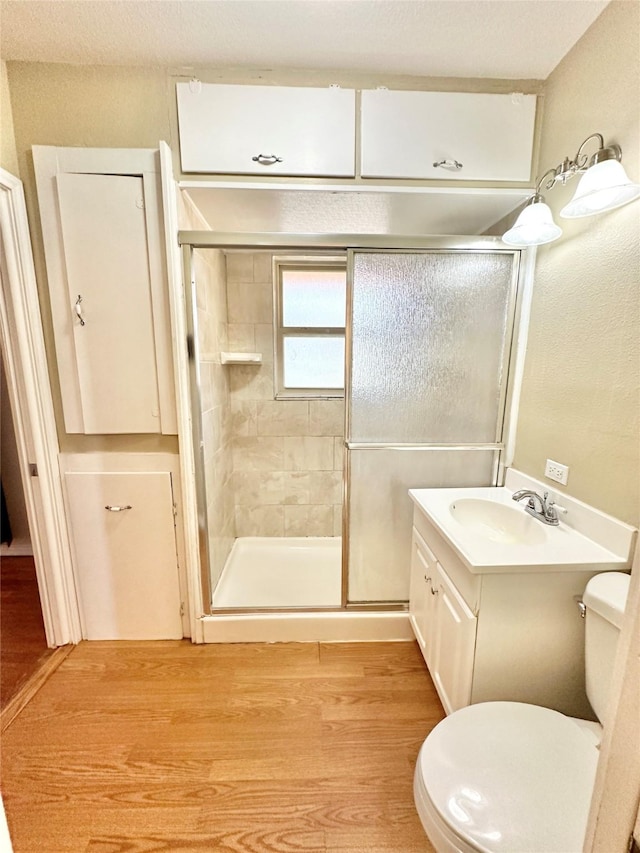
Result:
434,591
427,580
78,308
267,159
118,508
450,165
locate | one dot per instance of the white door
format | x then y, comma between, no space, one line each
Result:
405,133
109,290
125,555
422,598
102,224
266,130
455,646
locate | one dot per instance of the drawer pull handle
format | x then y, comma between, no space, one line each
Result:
78,308
434,591
450,165
427,580
266,159
118,508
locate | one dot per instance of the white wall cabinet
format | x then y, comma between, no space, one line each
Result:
266,130
404,133
513,636
124,544
102,231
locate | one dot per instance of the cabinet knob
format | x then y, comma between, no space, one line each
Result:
267,159
450,165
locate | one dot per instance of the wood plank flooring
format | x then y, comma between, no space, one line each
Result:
249,748
23,645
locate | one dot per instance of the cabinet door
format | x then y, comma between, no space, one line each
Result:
223,128
125,560
405,133
452,670
422,602
104,248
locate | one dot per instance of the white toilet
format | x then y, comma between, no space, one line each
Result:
507,777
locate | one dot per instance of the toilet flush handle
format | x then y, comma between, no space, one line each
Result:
582,607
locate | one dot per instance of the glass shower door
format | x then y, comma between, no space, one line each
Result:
430,338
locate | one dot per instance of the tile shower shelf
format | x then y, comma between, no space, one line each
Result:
241,357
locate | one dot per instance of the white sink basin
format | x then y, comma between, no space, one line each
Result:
490,532
498,522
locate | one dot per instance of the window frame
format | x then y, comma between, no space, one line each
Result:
280,332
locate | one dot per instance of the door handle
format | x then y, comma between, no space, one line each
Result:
118,508
78,309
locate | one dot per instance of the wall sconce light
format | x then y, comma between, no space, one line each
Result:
604,186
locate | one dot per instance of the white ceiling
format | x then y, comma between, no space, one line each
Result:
512,39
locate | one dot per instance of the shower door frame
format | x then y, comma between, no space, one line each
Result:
279,242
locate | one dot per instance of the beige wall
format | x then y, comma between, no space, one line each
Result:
287,454
8,153
580,400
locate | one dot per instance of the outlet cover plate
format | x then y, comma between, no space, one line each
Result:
557,472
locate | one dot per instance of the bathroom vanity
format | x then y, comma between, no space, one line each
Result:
494,595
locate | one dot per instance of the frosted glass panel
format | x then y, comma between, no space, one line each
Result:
314,362
314,298
429,336
381,511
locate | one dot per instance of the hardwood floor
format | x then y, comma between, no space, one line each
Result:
251,748
23,645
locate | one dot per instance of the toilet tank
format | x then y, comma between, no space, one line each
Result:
605,598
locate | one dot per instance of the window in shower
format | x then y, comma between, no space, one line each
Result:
310,316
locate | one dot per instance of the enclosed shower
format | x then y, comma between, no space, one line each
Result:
303,490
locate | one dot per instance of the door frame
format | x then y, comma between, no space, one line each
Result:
24,354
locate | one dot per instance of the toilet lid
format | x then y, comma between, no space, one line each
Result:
510,777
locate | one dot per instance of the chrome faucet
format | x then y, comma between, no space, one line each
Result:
546,510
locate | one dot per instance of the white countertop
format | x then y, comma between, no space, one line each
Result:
561,548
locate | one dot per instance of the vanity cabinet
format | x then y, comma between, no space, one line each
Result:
490,136
503,636
266,130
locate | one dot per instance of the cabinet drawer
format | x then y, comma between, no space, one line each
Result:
405,133
223,128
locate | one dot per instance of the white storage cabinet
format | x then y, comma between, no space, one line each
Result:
403,134
124,545
101,217
503,636
266,130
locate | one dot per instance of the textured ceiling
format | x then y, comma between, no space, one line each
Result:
513,39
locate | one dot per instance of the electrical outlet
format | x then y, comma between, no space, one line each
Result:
556,471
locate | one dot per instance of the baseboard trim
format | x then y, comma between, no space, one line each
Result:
18,548
31,686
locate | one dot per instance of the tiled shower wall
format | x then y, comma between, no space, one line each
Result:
287,454
211,299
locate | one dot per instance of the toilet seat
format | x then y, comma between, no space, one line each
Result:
505,777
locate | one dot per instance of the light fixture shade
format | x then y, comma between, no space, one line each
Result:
603,186
533,227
